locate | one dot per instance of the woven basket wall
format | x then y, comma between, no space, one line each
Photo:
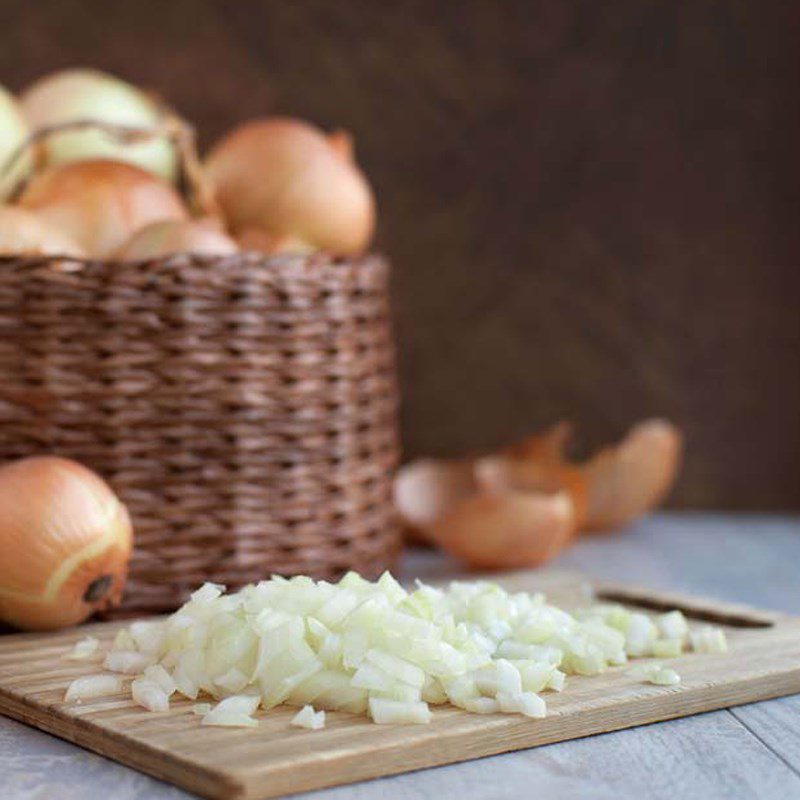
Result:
244,408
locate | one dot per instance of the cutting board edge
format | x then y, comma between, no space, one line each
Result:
79,731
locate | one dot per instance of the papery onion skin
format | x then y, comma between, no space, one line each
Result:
288,179
76,94
13,132
505,530
425,489
100,204
167,237
22,232
66,541
629,479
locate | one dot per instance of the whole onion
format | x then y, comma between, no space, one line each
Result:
13,130
76,94
199,237
100,204
299,187
23,233
65,540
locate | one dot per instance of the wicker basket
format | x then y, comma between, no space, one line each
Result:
244,408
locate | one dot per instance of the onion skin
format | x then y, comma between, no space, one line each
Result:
167,237
75,94
425,489
66,541
100,204
629,479
13,132
23,233
289,180
506,529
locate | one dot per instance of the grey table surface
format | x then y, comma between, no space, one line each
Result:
746,752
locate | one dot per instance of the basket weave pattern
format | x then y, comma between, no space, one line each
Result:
244,408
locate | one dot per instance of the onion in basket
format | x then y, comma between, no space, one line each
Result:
65,539
284,185
199,237
80,94
13,131
100,204
23,233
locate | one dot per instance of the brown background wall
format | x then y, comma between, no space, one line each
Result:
591,206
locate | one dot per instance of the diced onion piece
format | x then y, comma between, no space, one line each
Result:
149,695
666,648
527,703
158,675
83,649
396,712
709,639
238,704
665,676
672,625
91,686
201,709
229,720
127,662
308,718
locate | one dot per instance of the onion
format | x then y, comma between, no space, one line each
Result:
83,649
378,649
22,232
306,717
65,539
78,94
90,686
13,132
289,181
199,237
100,204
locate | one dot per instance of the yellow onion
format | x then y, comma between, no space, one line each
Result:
78,94
199,237
299,187
100,204
23,233
66,541
13,131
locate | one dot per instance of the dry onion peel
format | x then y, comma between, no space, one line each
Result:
66,541
373,648
626,481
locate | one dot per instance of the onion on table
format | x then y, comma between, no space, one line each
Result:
377,649
66,541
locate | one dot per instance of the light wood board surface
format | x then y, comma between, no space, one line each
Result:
276,759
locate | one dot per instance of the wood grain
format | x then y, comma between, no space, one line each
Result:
591,207
276,759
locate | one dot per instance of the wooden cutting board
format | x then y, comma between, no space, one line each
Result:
277,759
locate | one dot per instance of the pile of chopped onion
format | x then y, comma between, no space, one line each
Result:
378,649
